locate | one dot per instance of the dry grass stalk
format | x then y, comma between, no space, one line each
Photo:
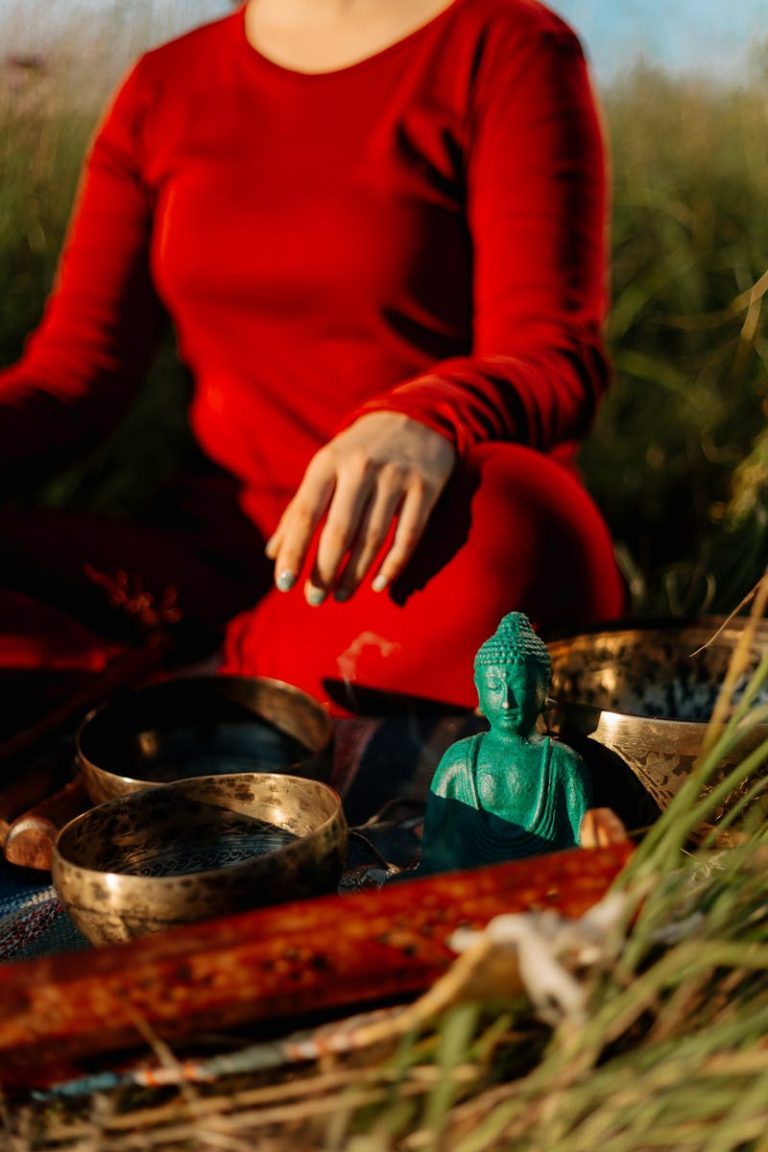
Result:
736,668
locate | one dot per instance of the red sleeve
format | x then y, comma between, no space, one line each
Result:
102,319
536,203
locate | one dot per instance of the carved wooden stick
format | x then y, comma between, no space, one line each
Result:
30,837
23,789
289,961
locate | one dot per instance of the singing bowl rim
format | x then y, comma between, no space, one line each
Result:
634,734
672,735
705,626
62,862
628,632
103,784
644,624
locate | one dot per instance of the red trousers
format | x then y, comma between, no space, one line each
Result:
513,530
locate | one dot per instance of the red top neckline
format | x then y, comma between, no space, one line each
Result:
348,69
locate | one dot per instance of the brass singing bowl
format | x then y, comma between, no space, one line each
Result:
202,726
635,702
198,849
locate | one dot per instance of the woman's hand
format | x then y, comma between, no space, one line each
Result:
384,469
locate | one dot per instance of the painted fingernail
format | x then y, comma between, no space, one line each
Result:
342,595
379,583
314,596
285,580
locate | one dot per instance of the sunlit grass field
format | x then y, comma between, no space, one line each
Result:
677,459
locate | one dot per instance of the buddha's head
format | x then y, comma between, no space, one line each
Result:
513,672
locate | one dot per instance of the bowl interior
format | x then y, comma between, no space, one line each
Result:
203,726
198,826
658,673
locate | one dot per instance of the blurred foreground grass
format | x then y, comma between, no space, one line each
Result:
678,460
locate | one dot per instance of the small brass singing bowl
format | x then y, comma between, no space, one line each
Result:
202,726
635,702
198,849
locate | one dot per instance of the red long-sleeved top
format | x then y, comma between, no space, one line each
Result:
423,231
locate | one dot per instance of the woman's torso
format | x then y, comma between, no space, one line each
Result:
310,233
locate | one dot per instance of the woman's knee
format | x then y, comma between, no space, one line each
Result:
520,530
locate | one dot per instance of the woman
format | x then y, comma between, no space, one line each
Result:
378,229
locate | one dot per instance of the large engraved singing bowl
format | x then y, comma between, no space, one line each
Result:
635,703
202,726
198,849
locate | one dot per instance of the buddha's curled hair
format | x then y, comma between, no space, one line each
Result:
515,642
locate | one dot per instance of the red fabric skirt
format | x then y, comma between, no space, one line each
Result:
513,531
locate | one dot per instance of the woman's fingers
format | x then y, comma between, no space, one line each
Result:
415,512
384,470
374,528
357,526
354,484
290,543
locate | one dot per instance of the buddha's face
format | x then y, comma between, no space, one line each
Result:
511,696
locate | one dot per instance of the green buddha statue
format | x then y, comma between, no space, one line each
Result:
512,791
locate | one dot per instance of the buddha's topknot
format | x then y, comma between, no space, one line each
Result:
515,642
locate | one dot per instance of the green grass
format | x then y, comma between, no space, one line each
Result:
689,243
43,137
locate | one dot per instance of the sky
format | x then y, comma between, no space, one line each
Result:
714,37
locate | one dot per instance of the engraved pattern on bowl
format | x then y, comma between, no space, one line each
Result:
198,849
642,696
